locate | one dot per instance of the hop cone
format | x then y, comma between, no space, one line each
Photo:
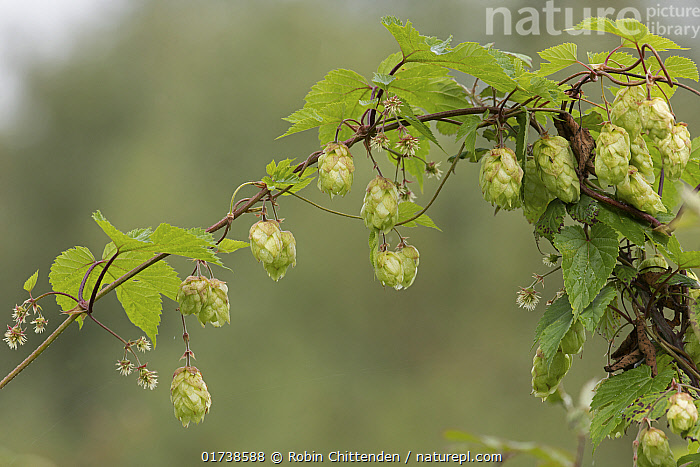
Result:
500,178
656,118
545,383
192,294
389,269
536,196
572,342
612,155
265,241
288,257
380,208
216,308
335,170
675,151
683,414
556,163
641,158
654,449
189,395
654,263
625,109
409,261
637,192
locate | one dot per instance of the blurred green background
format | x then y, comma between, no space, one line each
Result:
157,116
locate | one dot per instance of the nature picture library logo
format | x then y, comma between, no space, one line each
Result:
662,19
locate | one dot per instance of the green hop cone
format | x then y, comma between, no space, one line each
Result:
612,155
682,415
656,263
288,257
656,118
380,209
192,294
556,164
265,241
536,196
189,395
625,109
641,158
215,309
675,151
637,192
544,382
500,178
389,269
654,449
409,261
572,342
335,170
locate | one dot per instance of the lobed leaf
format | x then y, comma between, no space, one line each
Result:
558,57
593,313
555,322
588,259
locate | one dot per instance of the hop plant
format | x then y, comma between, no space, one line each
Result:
654,449
388,268
545,382
335,170
189,395
266,241
656,118
612,155
636,191
206,298
692,345
573,340
641,158
556,164
682,415
536,196
409,261
288,257
625,109
380,209
675,151
500,178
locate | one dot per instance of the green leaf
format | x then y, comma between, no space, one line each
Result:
681,67
142,305
546,456
31,282
190,243
651,406
689,459
123,241
67,272
622,223
593,313
467,57
659,43
552,327
624,273
383,80
587,261
621,59
468,131
229,246
408,209
331,100
551,222
559,57
684,259
616,393
373,245
627,28
407,113
584,211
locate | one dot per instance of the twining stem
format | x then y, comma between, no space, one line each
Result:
325,209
